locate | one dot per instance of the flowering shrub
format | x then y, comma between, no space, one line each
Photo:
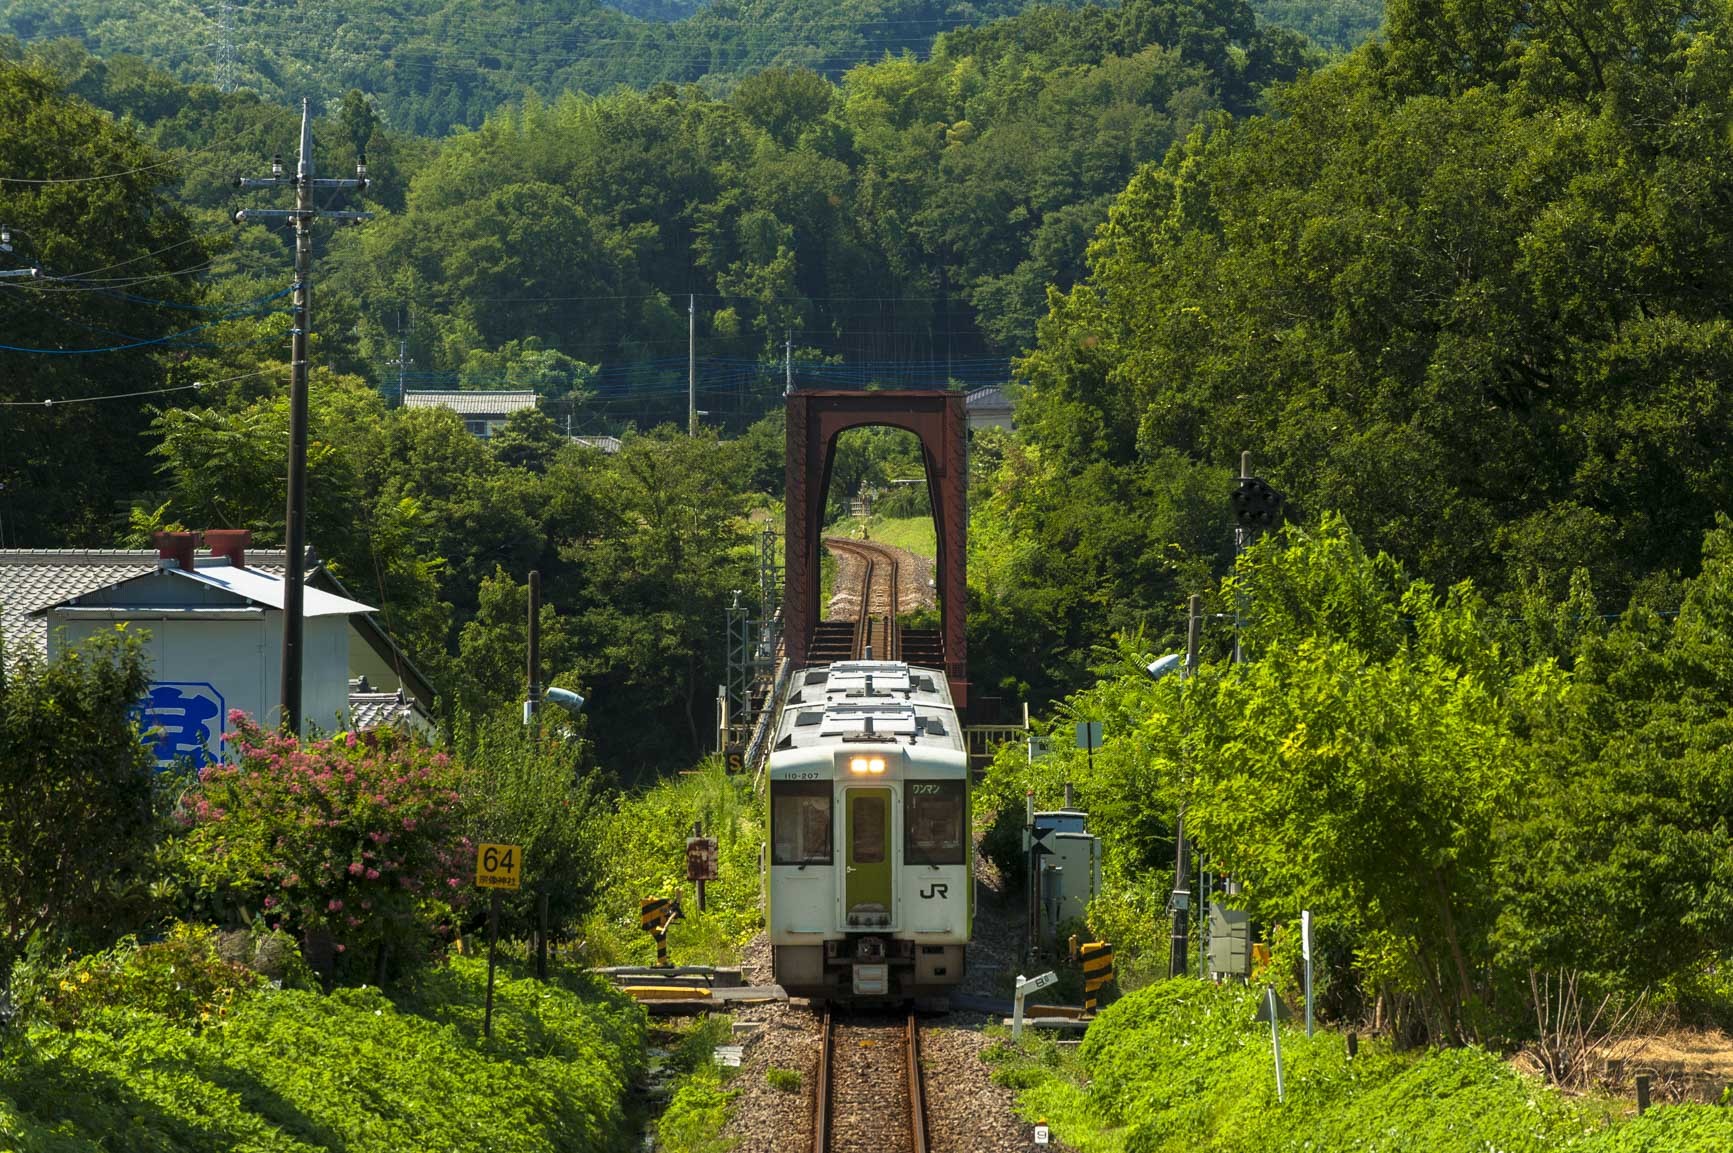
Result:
182,979
356,839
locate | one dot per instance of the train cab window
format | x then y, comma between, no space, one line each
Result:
934,813
800,822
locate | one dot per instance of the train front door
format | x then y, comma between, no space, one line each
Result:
867,858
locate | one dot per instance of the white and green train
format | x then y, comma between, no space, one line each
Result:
870,885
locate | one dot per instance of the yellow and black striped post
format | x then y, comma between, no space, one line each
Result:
655,914
1097,958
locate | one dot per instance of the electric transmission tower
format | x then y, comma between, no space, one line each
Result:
302,216
225,46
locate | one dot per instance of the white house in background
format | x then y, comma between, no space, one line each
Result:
483,413
987,407
214,626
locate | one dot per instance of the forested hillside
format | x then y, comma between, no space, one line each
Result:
1460,285
1466,287
435,64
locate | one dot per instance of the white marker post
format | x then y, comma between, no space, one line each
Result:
1275,1040
1025,986
1306,951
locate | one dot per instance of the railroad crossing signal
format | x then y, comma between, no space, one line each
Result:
499,866
655,914
1097,958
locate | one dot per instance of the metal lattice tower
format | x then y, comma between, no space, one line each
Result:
739,665
225,46
769,598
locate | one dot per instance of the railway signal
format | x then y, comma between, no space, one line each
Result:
1257,504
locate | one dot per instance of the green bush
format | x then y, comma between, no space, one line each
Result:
788,1080
1182,1065
1669,1129
182,979
291,1070
355,841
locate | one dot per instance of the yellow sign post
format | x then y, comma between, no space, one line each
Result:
496,867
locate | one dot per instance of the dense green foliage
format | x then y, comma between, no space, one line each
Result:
1182,1066
79,808
641,848
451,63
1460,798
291,1070
1464,287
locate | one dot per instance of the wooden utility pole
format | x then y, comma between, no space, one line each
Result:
302,216
691,365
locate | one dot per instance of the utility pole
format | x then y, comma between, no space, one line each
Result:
303,216
1176,964
533,700
788,362
402,363
692,365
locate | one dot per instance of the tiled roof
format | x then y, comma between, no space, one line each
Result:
988,396
472,403
606,444
32,579
371,710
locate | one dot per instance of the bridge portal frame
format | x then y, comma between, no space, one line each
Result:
814,421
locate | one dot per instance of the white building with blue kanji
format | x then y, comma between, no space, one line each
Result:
212,627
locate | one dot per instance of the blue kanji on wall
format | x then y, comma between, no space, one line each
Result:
183,720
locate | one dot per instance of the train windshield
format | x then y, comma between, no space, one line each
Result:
800,822
934,820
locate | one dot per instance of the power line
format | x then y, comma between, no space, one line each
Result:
197,384
173,336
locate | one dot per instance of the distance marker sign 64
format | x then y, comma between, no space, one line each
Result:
499,866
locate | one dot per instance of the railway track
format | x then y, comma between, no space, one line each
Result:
875,626
870,1098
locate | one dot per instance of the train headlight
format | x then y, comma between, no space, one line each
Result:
858,765
876,765
872,765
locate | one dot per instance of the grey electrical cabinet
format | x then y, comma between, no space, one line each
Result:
1230,942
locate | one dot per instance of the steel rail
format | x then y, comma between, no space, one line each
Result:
917,1095
821,1103
821,1113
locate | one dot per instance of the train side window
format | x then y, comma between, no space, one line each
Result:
800,822
934,813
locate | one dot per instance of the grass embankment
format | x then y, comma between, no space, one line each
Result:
915,534
290,1070
1182,1066
642,850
